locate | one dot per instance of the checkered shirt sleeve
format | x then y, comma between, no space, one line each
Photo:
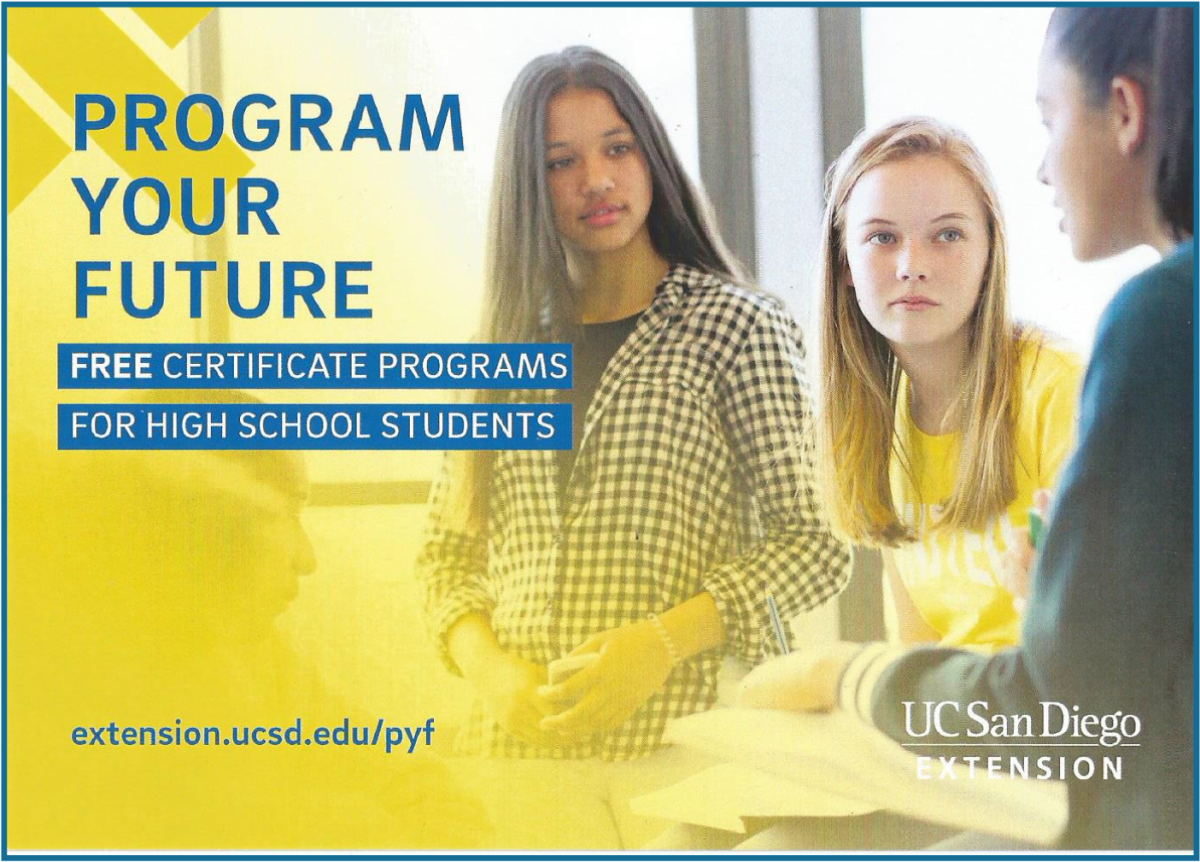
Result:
694,473
767,413
453,563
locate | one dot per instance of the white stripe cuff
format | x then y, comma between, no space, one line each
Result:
857,685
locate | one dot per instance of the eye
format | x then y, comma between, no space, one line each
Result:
882,238
950,234
559,164
620,149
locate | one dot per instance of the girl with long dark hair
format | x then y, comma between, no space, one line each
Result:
652,548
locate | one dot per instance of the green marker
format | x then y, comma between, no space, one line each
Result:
1036,525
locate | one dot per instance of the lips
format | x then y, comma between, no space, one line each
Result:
914,302
602,215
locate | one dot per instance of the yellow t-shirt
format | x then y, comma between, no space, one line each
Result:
953,576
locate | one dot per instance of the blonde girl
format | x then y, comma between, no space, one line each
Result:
940,418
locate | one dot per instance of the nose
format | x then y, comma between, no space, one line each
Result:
1042,176
597,179
911,265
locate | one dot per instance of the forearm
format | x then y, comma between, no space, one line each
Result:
1000,684
472,643
694,626
911,627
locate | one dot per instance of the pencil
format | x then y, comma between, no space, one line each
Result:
777,623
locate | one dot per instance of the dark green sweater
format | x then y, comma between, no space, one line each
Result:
1110,625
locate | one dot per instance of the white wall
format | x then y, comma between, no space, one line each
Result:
976,68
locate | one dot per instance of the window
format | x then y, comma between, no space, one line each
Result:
977,69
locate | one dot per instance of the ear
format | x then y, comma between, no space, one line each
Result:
1128,105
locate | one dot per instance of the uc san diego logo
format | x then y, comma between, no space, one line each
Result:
975,738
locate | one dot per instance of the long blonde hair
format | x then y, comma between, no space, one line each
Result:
860,375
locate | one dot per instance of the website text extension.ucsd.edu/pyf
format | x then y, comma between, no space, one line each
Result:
392,737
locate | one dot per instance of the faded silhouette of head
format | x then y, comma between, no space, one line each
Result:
230,523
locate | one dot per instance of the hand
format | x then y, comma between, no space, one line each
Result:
508,686
633,664
804,681
1017,564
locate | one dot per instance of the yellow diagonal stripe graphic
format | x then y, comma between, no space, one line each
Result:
80,50
171,23
34,150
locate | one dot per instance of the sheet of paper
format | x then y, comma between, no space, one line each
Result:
723,796
837,754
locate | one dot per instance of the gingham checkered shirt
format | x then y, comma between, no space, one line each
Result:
694,473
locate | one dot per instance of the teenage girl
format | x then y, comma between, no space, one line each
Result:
940,418
688,497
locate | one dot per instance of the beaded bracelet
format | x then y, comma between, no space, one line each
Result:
672,650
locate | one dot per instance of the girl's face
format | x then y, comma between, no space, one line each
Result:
916,238
1095,185
599,181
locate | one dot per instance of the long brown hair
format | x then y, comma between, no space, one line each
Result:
528,294
860,375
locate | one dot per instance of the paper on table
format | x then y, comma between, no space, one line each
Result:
840,755
723,796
